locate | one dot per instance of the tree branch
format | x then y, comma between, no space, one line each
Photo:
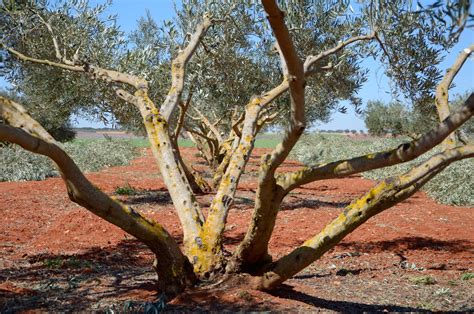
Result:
402,153
294,69
178,68
182,115
173,267
210,125
442,91
381,197
93,71
311,60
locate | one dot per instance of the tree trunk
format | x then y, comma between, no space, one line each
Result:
198,184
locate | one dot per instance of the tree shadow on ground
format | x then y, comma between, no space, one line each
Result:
79,281
408,243
311,203
287,292
161,197
233,240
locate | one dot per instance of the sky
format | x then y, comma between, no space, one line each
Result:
376,88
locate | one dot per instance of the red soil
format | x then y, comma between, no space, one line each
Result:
56,255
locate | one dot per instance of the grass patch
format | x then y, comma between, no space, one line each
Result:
267,140
423,280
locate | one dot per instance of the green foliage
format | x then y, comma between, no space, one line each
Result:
467,129
20,165
60,262
84,34
318,148
396,119
17,164
453,186
411,43
467,276
235,61
383,119
127,189
100,154
53,121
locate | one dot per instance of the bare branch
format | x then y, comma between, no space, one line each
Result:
123,94
180,124
311,60
211,126
442,91
178,68
93,71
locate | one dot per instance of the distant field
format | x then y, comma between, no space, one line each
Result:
84,135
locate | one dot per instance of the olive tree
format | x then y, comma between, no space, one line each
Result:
202,254
382,119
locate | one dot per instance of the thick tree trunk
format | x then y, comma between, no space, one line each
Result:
252,253
173,267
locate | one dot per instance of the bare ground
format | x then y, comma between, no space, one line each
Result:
56,256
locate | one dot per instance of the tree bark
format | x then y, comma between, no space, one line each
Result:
381,197
442,92
174,270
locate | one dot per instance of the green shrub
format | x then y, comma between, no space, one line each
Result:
16,164
453,186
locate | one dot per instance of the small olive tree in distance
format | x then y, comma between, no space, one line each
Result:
202,254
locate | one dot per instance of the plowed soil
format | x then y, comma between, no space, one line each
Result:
56,256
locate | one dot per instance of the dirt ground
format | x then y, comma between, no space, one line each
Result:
56,256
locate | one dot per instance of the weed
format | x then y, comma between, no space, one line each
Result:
467,276
53,263
423,280
72,262
426,306
442,292
127,189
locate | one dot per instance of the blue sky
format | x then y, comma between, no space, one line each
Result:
377,87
